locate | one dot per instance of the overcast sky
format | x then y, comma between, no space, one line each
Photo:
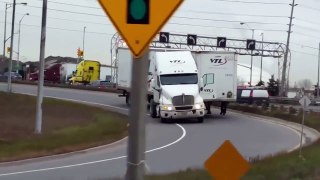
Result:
64,33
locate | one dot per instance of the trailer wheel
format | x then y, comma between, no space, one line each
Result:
200,119
153,109
128,99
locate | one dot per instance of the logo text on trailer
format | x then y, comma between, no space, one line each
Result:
178,62
218,61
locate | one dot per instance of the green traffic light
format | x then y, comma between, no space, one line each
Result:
138,9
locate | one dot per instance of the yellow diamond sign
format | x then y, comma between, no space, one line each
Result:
138,21
227,163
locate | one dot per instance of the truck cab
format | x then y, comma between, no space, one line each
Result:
87,72
174,87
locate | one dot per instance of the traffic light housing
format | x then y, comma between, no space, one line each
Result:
138,11
8,50
81,53
78,52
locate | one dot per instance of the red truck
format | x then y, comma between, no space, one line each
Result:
54,73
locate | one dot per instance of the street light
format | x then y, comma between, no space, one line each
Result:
27,14
84,36
11,44
242,23
262,35
7,6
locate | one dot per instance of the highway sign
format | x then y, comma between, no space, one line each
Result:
227,163
221,42
305,102
192,39
138,21
164,37
251,44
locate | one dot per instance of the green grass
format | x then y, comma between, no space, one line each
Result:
67,127
281,167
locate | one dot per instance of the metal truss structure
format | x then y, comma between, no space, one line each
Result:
204,43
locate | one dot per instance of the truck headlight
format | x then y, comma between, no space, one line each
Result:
199,106
167,108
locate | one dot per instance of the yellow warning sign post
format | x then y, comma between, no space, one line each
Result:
138,21
227,163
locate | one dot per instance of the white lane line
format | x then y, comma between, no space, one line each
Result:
99,161
96,162
273,122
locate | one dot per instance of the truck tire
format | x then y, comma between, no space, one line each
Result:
128,99
200,119
153,109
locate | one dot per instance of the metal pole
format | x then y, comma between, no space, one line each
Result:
136,144
318,89
302,125
38,126
5,33
261,59
18,60
19,45
11,46
251,60
84,36
283,80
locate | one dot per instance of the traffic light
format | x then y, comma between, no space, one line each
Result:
78,52
81,53
8,50
138,11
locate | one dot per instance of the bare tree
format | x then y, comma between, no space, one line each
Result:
305,83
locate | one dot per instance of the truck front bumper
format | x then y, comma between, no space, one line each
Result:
195,113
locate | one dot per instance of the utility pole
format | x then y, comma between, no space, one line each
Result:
11,46
4,33
251,60
38,126
318,89
261,59
284,69
84,36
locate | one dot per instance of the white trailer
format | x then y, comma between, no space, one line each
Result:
218,71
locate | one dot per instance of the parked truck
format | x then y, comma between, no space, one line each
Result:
218,71
54,73
173,90
87,71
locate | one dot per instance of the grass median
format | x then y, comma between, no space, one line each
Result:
280,167
67,127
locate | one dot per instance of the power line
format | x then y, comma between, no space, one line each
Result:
251,2
304,53
64,29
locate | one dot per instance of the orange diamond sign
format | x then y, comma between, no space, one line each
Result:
227,163
138,21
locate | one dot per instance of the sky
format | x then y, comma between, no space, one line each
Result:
67,19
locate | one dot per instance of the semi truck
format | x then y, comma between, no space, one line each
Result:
173,84
54,73
87,72
218,71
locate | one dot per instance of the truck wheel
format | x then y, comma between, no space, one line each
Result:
153,109
200,119
128,100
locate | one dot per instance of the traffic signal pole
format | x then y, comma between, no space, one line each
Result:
11,46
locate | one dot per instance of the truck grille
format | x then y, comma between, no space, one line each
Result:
183,100
184,108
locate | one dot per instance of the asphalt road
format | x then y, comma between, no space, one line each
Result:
171,147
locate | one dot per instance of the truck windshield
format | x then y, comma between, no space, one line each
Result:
174,79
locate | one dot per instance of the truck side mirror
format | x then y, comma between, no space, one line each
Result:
152,84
